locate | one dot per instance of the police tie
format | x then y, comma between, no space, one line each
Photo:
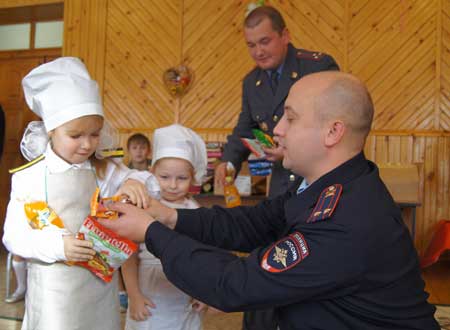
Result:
274,81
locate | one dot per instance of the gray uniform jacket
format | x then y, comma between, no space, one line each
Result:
261,109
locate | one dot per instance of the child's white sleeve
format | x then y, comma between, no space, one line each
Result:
116,174
19,238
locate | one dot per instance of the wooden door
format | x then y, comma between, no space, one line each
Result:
13,67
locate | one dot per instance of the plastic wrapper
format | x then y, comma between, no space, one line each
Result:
263,138
254,146
99,206
40,215
111,249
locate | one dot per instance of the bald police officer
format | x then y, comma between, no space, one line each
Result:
333,255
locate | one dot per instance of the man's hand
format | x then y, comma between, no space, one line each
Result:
274,153
132,223
220,173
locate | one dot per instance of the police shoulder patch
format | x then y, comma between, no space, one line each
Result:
326,203
285,254
29,164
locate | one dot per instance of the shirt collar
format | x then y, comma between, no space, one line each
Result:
56,164
279,70
302,187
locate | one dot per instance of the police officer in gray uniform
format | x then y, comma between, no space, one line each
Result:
278,66
265,88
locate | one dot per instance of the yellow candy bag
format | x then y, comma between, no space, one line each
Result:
40,215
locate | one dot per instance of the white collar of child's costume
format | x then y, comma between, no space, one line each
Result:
56,164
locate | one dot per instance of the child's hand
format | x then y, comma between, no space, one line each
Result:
162,213
136,192
198,306
77,249
138,307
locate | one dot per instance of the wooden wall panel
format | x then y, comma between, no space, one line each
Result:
143,40
84,34
214,48
392,47
444,74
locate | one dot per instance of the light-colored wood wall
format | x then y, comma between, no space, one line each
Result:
400,48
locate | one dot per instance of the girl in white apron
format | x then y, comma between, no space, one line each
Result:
65,176
179,156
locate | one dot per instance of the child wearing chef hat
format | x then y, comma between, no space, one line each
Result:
65,176
179,159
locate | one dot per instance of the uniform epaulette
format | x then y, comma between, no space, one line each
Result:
112,153
326,203
29,164
306,55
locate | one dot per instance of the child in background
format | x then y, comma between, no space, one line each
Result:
139,149
179,157
59,296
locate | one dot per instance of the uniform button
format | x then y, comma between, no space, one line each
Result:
292,177
275,118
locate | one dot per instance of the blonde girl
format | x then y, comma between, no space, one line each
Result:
65,176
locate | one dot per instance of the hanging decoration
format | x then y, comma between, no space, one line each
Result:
178,80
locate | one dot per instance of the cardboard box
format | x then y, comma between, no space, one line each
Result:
402,181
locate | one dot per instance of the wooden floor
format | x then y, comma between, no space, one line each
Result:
437,282
436,277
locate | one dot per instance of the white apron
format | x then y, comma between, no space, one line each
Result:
173,307
69,297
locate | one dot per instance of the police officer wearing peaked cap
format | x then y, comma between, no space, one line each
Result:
278,66
333,255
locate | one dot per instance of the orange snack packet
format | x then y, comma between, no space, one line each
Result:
99,206
111,249
40,215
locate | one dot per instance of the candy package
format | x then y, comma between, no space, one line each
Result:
40,215
254,146
99,206
263,138
111,249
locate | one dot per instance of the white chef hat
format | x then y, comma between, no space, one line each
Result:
176,141
60,91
